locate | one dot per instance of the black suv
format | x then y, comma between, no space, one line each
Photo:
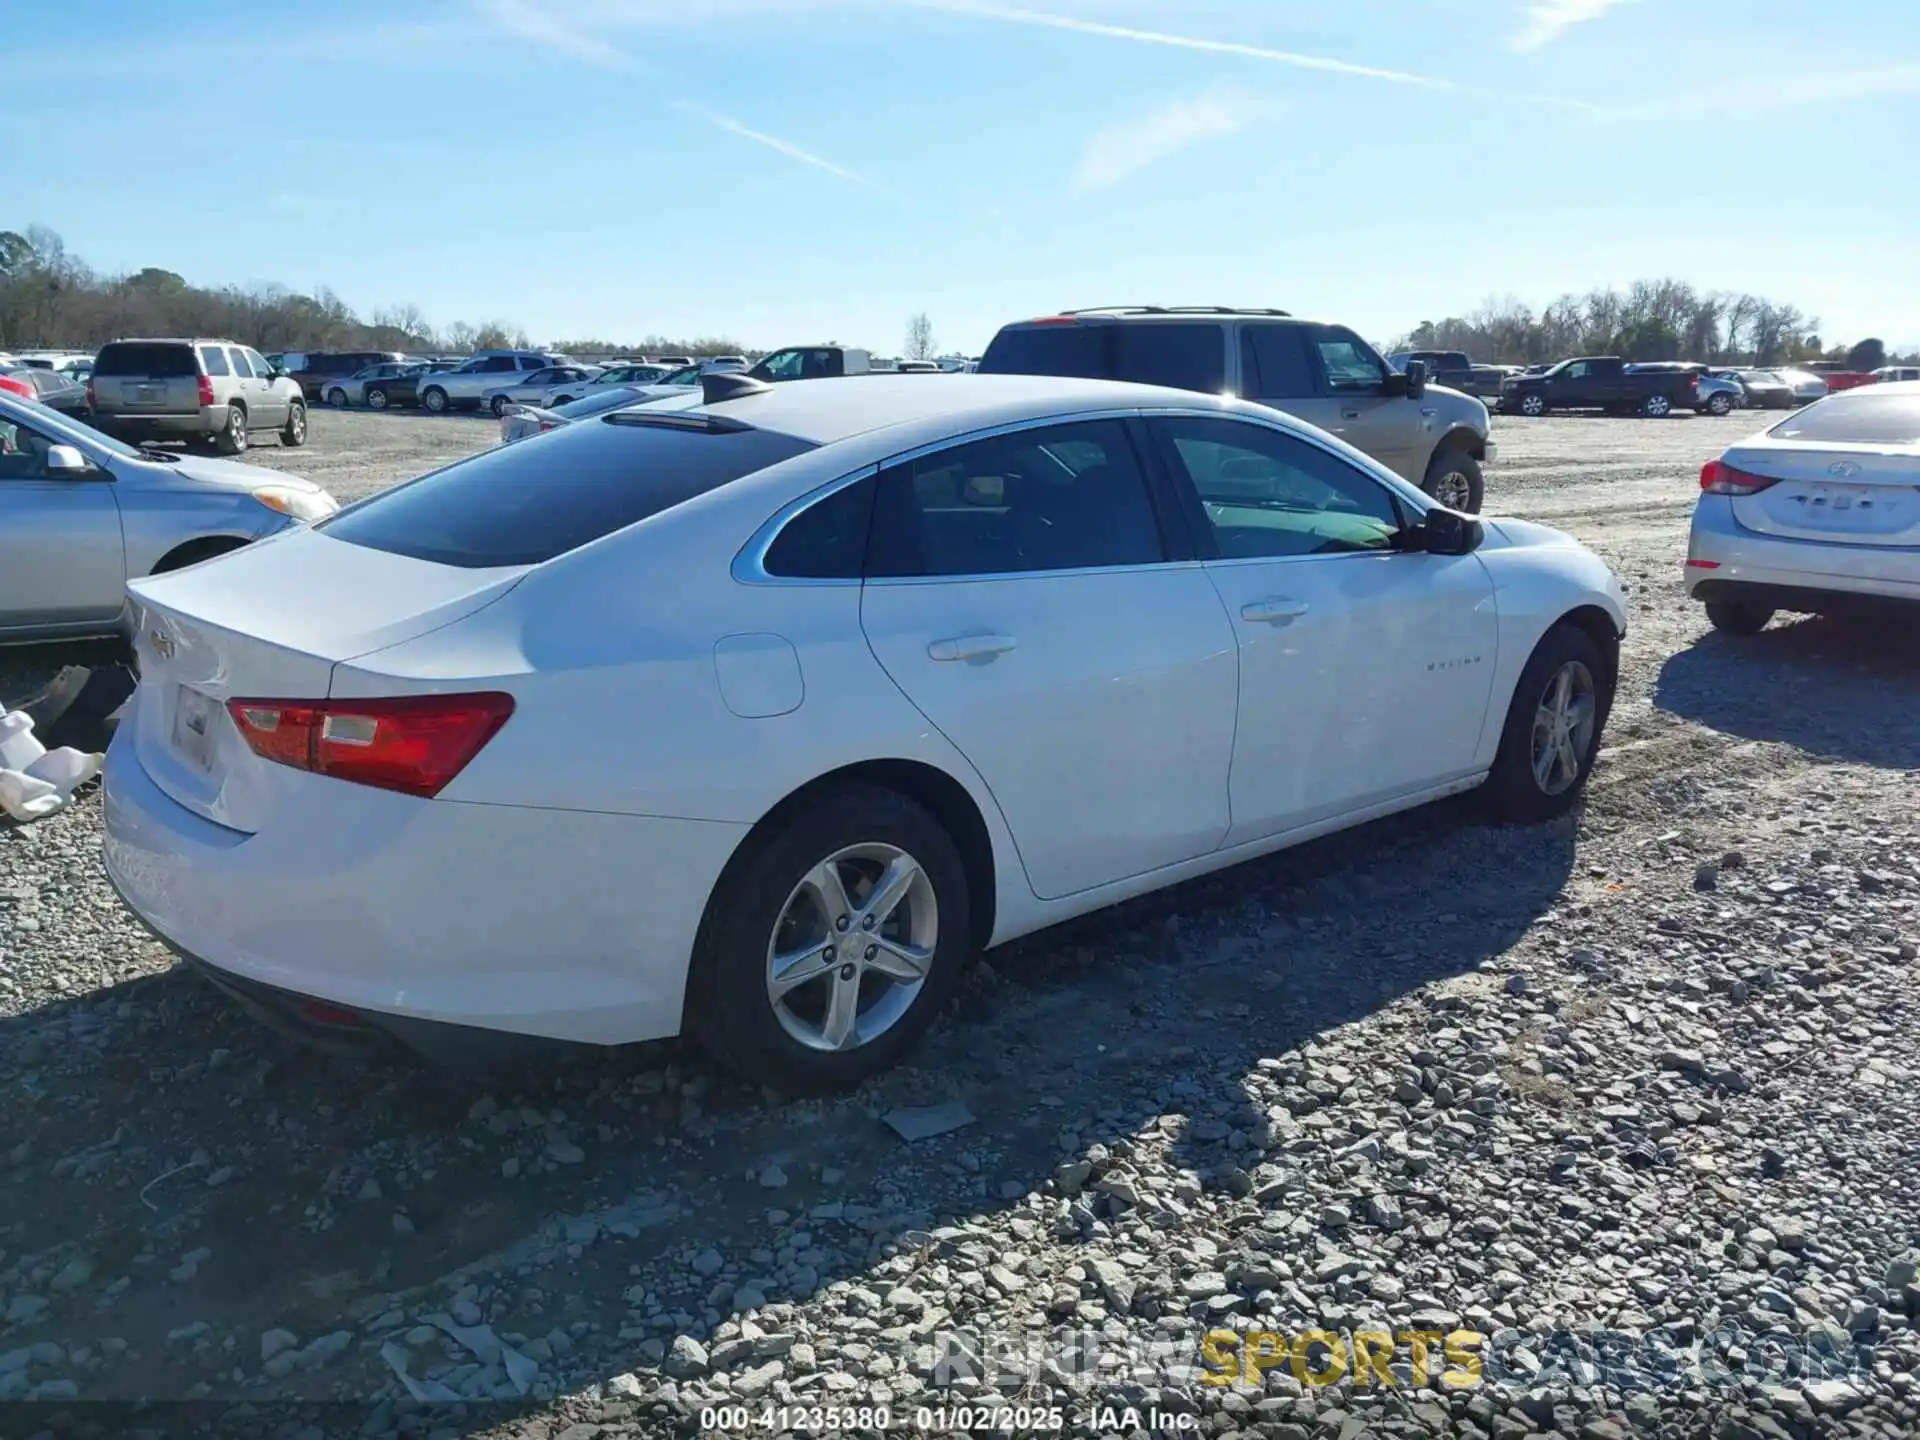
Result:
1323,374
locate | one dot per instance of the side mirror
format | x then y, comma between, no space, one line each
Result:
65,460
1448,532
1416,378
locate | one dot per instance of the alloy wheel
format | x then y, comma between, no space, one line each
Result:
1454,490
1563,725
852,947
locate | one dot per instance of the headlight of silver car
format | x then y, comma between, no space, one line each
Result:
307,505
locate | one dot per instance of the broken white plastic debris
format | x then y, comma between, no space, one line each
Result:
427,1391
36,782
488,1347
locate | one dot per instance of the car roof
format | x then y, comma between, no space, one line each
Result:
826,411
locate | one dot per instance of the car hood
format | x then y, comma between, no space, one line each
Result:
231,475
1506,533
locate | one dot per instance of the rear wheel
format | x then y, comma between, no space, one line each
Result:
1656,407
294,432
434,399
1453,479
831,943
500,403
1738,617
561,400
1534,405
232,438
337,398
376,399
1553,728
1719,403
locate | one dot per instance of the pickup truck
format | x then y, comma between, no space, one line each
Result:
1600,382
1453,369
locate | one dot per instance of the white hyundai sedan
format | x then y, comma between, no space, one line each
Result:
752,714
1819,514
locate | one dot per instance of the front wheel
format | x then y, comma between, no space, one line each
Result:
1738,617
1453,479
434,399
294,432
232,438
1720,403
831,943
337,398
1552,732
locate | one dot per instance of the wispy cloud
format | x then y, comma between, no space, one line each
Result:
541,27
772,142
1547,20
1132,145
1018,16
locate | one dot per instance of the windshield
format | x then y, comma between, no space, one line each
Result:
1855,417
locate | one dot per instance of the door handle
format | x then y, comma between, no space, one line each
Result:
1349,414
970,647
1273,611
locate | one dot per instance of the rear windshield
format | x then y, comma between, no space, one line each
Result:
524,504
612,398
153,362
1185,357
1856,417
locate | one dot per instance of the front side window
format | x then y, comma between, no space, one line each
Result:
23,452
1351,367
1576,371
256,361
1064,497
784,365
496,364
1268,494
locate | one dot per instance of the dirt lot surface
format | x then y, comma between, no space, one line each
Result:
1632,1097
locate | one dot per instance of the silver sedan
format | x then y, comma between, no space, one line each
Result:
555,385
81,513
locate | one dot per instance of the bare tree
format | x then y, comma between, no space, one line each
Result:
920,341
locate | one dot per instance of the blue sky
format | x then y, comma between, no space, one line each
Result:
788,170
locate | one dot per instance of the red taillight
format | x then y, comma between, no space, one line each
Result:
1703,564
1719,478
16,387
90,401
415,744
206,392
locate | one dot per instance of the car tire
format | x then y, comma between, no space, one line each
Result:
294,433
1720,404
1738,617
768,903
1656,407
433,398
1566,667
499,405
376,399
1453,479
1534,406
232,437
337,398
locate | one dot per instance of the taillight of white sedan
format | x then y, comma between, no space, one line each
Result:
1819,514
751,713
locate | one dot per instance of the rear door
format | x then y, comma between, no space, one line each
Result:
1020,590
62,561
138,377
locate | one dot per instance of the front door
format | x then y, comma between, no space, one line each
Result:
1019,592
61,557
1365,668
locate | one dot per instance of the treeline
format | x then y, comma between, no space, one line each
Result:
1649,320
50,298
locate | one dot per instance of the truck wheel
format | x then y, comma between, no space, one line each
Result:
1533,406
1453,479
232,437
294,432
1656,407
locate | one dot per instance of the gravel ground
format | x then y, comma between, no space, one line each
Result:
1630,1097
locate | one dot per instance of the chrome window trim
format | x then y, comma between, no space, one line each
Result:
749,564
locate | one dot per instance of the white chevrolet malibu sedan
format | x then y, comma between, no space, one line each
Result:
752,714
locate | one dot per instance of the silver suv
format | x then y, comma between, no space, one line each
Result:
1323,374
473,383
188,389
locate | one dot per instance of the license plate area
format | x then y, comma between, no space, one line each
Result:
194,719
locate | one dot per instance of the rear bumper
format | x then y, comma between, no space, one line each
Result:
410,913
197,422
1727,561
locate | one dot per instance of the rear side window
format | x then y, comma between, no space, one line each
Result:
524,504
828,540
239,359
152,362
1856,417
1063,497
215,359
1185,357
1275,361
